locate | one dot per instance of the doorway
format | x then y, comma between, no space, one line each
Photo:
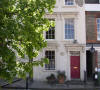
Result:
75,65
89,64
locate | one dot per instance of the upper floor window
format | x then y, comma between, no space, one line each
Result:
69,2
92,1
69,29
50,34
50,54
98,28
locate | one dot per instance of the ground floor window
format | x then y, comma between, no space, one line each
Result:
50,54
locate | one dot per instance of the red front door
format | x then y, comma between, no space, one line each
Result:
75,67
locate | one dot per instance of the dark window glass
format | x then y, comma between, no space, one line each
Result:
51,56
50,34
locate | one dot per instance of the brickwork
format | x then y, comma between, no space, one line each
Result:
91,29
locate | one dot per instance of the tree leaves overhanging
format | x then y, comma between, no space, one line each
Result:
22,24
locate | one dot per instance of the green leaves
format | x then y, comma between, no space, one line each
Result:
22,24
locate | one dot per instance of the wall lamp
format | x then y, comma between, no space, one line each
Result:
92,49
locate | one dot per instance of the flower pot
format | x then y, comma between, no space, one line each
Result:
61,80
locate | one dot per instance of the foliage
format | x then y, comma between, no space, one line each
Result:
61,77
61,74
51,79
22,24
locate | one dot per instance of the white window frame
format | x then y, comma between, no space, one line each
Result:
69,4
55,31
50,49
98,33
64,29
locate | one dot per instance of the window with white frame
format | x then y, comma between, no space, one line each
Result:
69,28
50,34
69,2
98,28
50,54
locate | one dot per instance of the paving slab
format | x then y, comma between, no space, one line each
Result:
37,85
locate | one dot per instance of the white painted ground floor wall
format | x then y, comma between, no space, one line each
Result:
62,60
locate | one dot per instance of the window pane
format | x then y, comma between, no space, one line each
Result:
98,28
51,56
98,25
98,36
50,34
98,20
69,2
69,28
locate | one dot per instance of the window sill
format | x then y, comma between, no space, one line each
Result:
49,70
68,39
50,39
98,40
69,6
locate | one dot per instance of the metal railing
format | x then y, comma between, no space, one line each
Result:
85,77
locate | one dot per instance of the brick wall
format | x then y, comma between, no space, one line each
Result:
91,30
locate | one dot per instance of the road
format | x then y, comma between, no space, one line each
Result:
56,89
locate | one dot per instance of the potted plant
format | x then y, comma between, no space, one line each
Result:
51,79
61,77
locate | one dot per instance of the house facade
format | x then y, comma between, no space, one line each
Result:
66,42
92,8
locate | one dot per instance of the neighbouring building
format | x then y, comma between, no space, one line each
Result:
66,42
92,8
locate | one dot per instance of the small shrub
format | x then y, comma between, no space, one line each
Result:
51,79
61,77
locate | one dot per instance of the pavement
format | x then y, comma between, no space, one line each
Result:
37,85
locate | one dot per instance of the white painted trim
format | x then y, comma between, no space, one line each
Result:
76,29
55,30
55,59
70,64
97,30
92,7
64,30
81,68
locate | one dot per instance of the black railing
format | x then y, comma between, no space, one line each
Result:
85,77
